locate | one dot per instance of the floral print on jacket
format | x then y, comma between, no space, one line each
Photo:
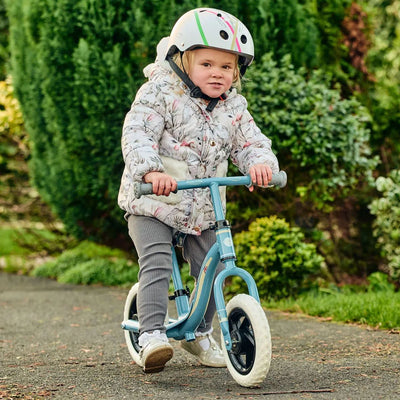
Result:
169,131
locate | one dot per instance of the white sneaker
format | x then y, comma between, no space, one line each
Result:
206,349
155,352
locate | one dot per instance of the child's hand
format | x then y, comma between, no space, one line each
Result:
260,175
163,184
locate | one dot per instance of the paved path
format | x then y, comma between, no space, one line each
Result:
65,342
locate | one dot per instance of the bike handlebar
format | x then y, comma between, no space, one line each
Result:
278,180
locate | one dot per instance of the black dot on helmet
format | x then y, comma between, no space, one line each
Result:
224,35
219,15
243,39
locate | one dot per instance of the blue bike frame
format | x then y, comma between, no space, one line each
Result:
191,315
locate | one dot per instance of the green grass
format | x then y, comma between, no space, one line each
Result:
9,243
21,249
90,263
24,241
377,309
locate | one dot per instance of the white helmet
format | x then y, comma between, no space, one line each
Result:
209,27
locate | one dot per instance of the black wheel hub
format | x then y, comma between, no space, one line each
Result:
236,342
243,350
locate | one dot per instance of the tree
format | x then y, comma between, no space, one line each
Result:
76,66
4,56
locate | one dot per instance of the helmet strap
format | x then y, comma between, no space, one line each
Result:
195,91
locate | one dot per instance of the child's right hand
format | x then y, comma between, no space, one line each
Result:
163,184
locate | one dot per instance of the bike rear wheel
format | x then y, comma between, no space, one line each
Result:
250,357
130,312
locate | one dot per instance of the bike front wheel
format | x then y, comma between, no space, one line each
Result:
250,357
130,312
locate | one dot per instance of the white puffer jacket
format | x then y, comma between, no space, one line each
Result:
167,130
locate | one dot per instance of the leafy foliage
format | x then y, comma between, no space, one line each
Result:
322,138
13,140
277,256
286,27
387,223
331,14
379,282
4,51
383,95
355,37
89,263
15,191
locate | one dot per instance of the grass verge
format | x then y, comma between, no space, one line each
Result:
378,309
23,248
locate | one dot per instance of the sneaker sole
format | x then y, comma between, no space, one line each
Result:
156,360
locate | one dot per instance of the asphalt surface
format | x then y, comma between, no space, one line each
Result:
65,342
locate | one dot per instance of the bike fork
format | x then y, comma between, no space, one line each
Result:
219,298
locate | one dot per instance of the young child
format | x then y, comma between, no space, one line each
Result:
185,123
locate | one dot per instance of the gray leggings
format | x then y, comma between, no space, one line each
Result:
152,240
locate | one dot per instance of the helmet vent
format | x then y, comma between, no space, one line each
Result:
243,39
224,35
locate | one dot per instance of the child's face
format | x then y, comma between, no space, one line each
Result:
212,70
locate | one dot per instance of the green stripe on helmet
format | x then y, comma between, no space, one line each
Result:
203,36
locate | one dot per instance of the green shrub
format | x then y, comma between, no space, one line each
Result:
386,226
277,257
330,16
383,96
379,282
90,263
286,27
13,138
101,271
55,268
322,138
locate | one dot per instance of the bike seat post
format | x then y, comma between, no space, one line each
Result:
222,228
182,301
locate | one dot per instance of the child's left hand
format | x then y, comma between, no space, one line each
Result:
260,175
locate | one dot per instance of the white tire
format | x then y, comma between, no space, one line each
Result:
130,312
250,357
